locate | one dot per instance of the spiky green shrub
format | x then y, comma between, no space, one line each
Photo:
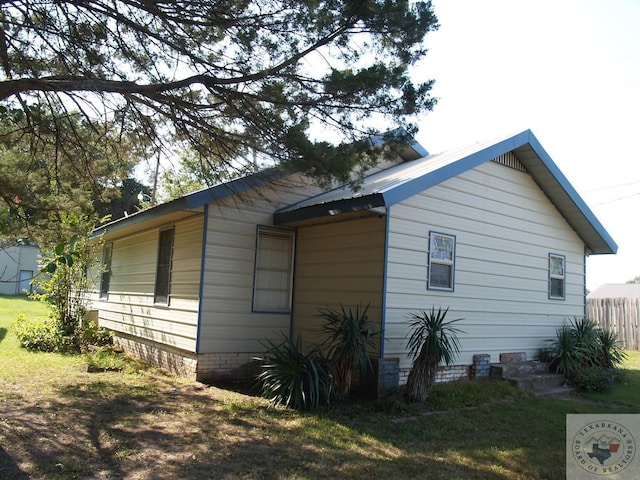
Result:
587,355
610,353
567,355
348,337
433,340
290,377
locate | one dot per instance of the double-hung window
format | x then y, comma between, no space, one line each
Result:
163,270
442,254
273,276
557,276
105,276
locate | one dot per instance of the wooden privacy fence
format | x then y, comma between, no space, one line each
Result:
619,315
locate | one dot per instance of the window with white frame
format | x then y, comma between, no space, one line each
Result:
557,276
273,277
442,254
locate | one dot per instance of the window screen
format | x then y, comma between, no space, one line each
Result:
105,276
556,276
273,276
163,272
442,250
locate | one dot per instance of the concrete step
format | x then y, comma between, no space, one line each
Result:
505,370
537,382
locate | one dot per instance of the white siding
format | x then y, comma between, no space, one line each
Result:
338,264
505,228
130,305
14,260
228,324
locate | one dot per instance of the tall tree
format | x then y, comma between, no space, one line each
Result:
303,84
44,178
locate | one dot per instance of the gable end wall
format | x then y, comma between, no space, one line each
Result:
505,228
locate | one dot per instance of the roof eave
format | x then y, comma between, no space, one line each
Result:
577,213
338,207
192,202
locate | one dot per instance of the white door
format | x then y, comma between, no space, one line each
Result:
25,281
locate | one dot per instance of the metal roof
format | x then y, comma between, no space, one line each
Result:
399,182
616,290
187,205
193,203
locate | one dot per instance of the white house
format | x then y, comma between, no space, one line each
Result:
18,265
494,232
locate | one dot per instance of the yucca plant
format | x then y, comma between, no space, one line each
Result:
586,354
566,354
610,354
586,339
290,377
349,339
433,340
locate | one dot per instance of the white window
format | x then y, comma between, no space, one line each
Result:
557,276
442,254
273,277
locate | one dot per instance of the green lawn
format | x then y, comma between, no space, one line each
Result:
57,421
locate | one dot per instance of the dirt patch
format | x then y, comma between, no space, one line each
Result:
110,425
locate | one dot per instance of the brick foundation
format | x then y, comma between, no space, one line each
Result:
446,373
383,381
481,367
177,361
208,367
227,367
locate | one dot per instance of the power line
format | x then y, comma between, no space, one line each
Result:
615,186
618,199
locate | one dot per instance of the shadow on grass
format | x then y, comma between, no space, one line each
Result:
8,468
3,333
158,430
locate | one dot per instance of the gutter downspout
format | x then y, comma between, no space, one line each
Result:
385,260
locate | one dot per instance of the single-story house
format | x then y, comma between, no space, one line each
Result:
493,231
616,307
18,266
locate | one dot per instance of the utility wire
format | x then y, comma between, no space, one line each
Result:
618,199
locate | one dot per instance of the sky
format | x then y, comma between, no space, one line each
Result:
569,70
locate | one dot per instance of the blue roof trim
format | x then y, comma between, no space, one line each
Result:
193,200
419,149
571,192
404,190
225,190
400,134
331,208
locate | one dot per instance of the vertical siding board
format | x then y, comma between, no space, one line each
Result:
338,264
503,239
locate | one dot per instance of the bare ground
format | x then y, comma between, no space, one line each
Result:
107,426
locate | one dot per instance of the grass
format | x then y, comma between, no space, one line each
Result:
58,421
626,390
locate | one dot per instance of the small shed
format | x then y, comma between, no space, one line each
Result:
18,265
616,307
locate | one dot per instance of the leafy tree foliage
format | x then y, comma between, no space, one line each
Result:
45,176
304,84
194,173
634,280
63,284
